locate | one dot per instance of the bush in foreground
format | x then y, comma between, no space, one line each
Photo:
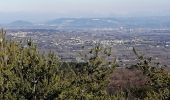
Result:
27,74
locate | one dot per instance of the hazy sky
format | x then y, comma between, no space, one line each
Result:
48,9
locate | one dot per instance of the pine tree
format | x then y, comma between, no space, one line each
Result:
90,79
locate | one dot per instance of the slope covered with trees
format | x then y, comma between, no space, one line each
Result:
25,73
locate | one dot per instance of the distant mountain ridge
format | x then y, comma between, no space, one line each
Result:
129,22
150,22
84,22
20,23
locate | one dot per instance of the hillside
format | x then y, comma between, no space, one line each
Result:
20,23
83,23
27,74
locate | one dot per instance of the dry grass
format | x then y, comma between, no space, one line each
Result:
125,79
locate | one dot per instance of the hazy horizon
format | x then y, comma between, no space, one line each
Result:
42,10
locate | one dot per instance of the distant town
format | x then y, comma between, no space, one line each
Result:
69,43
68,37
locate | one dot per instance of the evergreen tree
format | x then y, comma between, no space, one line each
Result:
25,73
90,78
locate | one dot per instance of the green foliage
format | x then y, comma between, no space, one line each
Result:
27,74
90,78
158,86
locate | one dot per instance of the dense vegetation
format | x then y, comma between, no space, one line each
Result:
25,73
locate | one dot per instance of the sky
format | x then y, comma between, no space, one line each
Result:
39,10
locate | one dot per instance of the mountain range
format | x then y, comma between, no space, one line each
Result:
144,22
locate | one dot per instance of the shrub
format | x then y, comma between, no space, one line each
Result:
27,74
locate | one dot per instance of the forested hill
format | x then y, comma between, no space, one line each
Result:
27,74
